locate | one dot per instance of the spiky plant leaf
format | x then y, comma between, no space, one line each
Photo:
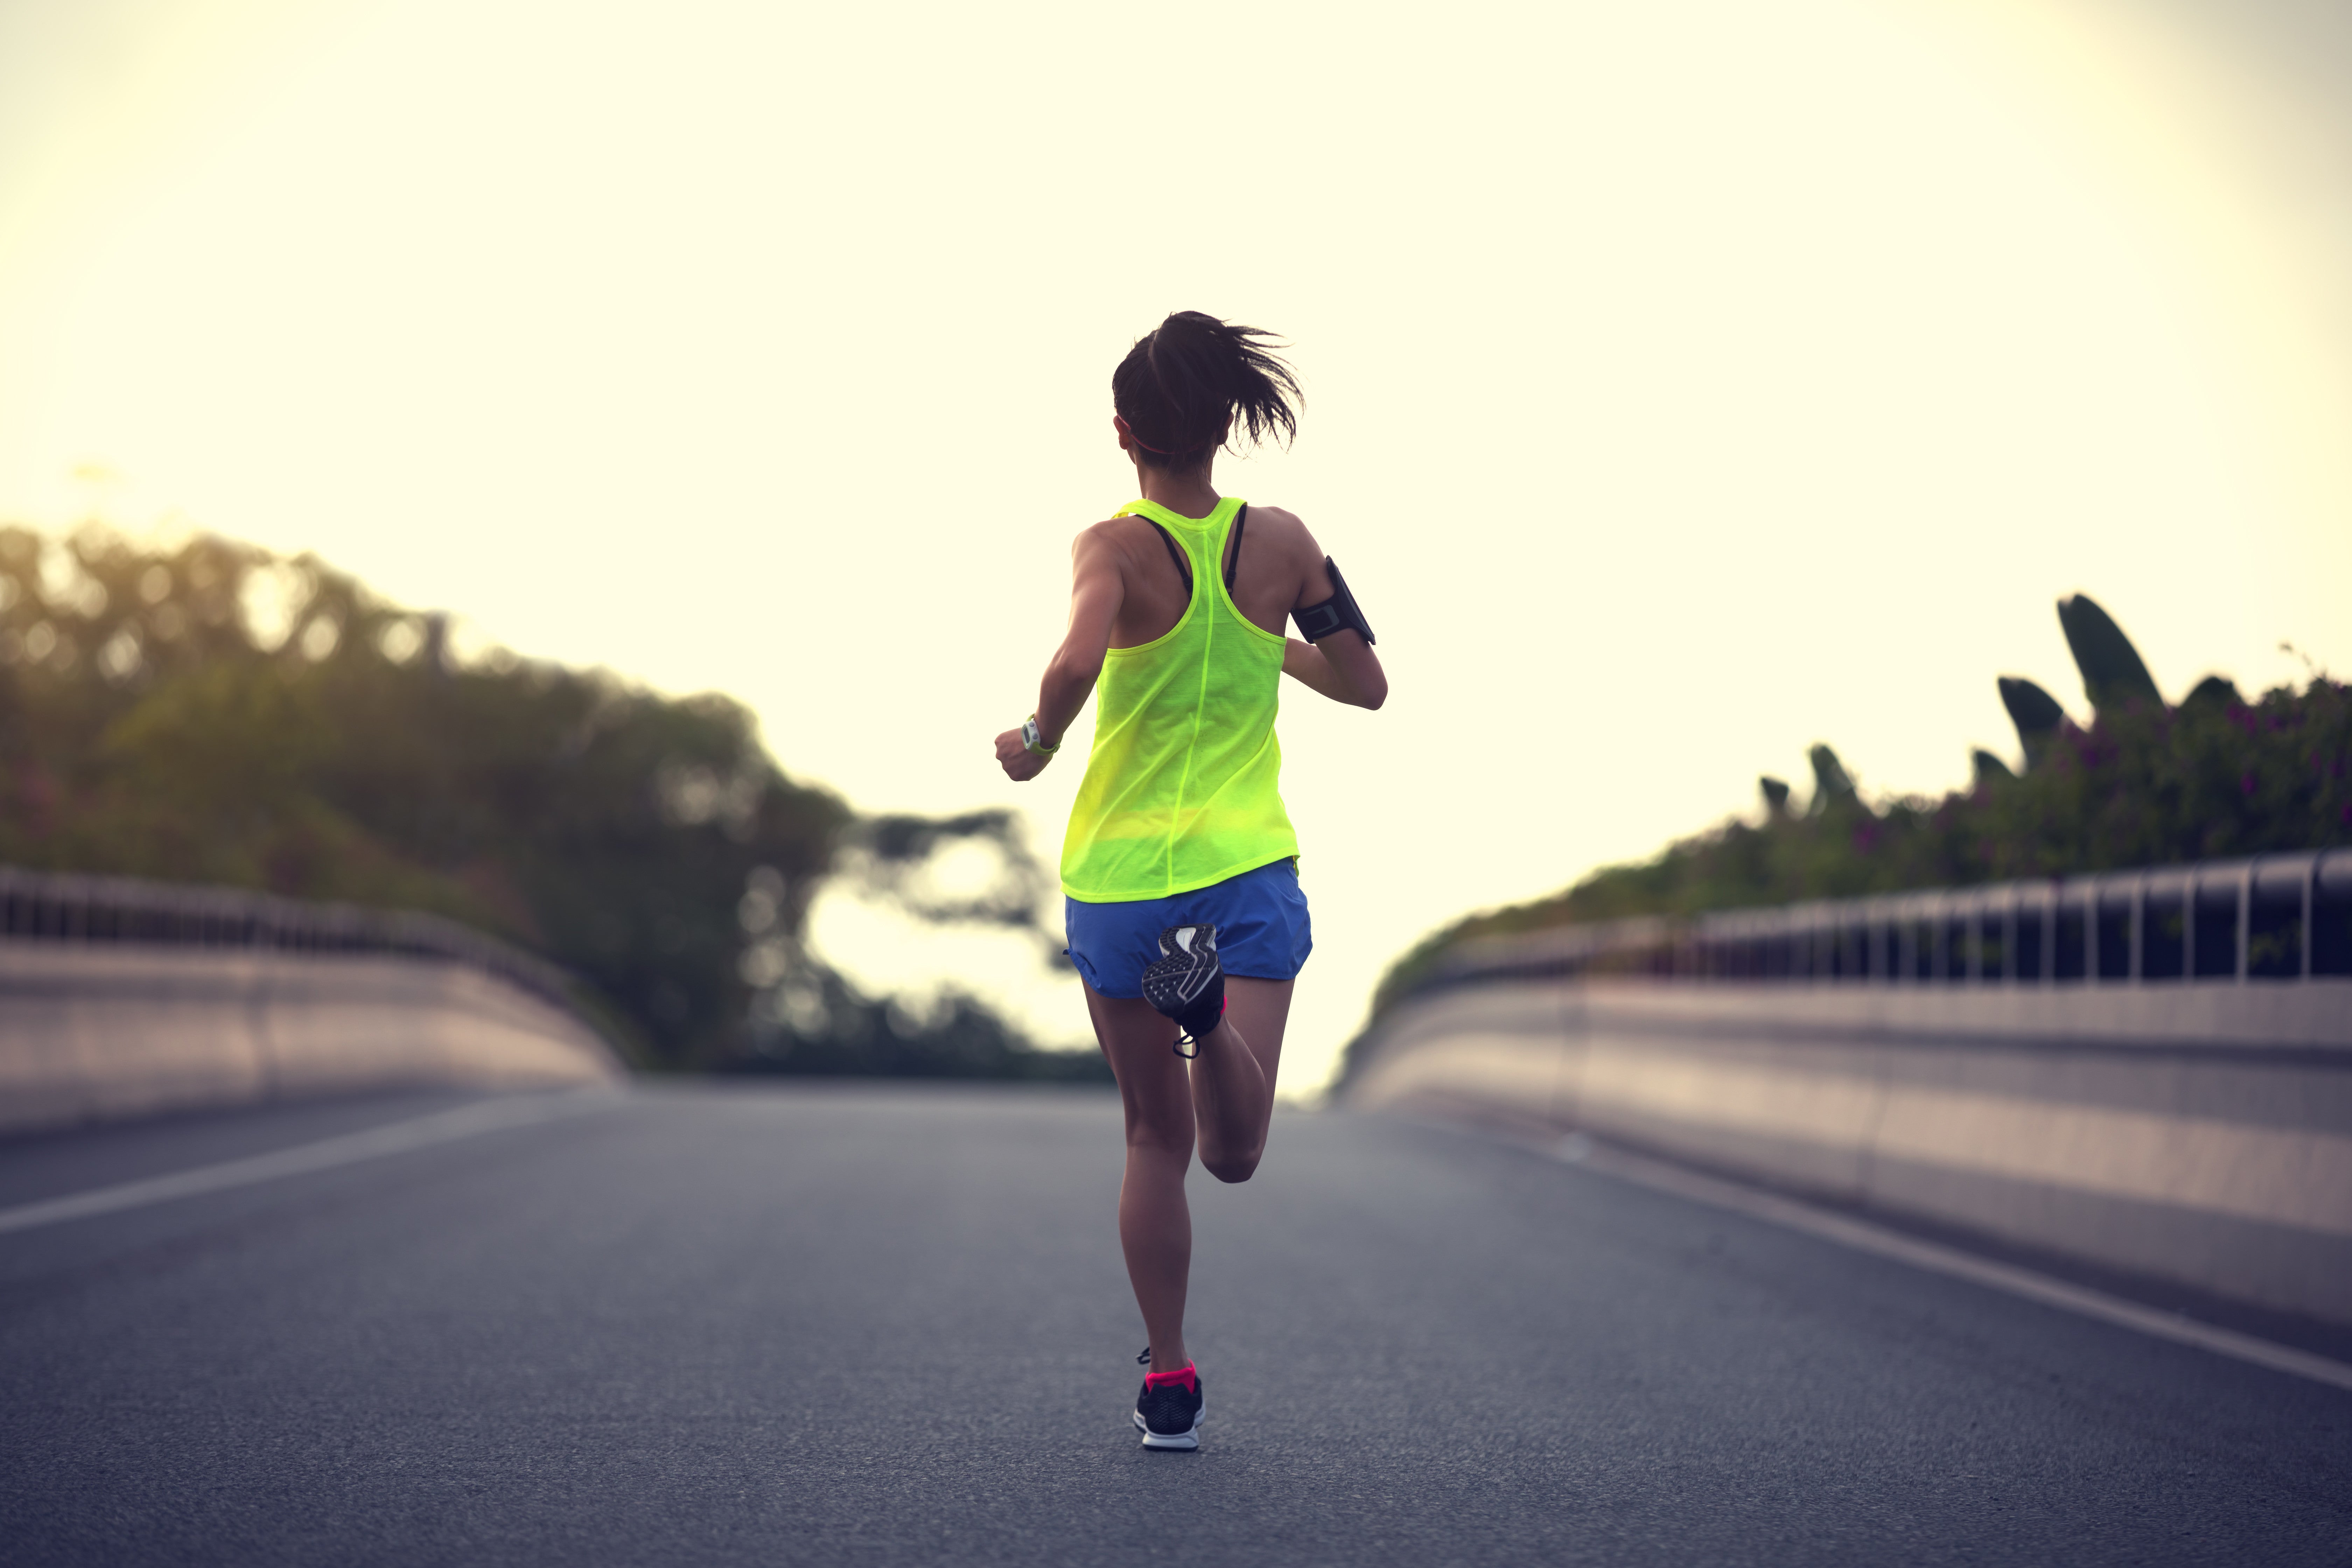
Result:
1830,781
2035,713
2114,677
2218,689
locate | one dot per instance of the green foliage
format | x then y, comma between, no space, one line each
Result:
211,713
1776,794
2113,675
2144,785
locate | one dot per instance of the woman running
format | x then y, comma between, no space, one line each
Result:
1182,910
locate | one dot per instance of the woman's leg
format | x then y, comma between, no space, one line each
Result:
1232,1086
1155,1226
1234,1077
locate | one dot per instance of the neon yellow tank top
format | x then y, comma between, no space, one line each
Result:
1183,786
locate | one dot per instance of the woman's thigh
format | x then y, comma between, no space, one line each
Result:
1154,1084
1260,1010
1140,1045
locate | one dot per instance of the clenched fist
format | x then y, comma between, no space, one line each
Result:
1020,763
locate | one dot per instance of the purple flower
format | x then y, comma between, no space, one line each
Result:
2246,785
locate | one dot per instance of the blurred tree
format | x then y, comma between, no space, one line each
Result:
210,712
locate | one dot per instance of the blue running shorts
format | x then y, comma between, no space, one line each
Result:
1260,916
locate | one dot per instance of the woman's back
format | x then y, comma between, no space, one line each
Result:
1183,782
1269,570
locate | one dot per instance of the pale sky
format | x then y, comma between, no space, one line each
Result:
1686,383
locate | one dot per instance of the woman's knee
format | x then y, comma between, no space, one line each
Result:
1168,1135
1233,1169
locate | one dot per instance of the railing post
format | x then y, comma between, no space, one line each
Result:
2009,937
2310,900
2090,891
2139,926
2188,930
2245,918
2049,932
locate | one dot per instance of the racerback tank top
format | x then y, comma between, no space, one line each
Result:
1182,785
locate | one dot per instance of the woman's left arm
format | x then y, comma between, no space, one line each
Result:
1346,672
1342,666
1096,591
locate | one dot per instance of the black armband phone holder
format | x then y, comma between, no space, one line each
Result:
1336,614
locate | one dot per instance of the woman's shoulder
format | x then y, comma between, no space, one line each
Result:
1281,532
1120,532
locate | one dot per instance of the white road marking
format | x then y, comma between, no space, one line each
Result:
1577,1149
349,1148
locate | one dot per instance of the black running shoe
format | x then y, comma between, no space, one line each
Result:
1187,983
1169,1415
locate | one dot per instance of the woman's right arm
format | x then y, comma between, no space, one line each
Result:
1096,591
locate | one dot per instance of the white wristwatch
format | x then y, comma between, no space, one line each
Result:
1034,739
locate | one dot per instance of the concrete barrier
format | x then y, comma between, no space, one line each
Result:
2199,1133
107,1031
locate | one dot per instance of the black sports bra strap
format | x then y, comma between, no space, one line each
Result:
1233,559
1183,567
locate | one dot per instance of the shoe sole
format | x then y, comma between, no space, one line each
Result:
1177,993
1172,1439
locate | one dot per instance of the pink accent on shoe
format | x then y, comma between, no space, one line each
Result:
1184,1374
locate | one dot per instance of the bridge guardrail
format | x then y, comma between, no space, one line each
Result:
83,907
2266,918
2148,1072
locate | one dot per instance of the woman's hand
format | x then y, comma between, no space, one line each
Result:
1020,763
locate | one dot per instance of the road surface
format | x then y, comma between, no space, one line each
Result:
883,1326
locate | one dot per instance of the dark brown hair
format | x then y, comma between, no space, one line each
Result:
1183,384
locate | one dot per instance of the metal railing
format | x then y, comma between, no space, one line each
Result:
73,907
2268,918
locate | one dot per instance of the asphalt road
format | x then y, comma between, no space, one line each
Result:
888,1326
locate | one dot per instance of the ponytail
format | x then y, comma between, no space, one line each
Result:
1183,384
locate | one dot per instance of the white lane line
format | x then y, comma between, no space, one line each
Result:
348,1149
1625,1166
